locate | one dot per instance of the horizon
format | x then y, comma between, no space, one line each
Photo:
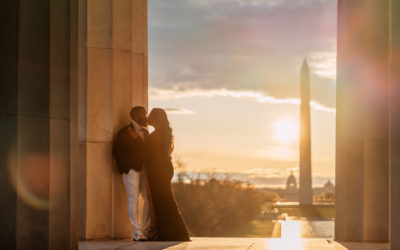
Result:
258,181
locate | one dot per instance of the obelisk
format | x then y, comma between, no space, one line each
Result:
305,189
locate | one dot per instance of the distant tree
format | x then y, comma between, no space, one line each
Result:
271,196
218,207
180,169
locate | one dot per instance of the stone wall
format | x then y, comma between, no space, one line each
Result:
116,80
71,71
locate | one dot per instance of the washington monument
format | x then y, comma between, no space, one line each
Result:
305,191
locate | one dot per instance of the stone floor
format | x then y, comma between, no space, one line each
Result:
233,244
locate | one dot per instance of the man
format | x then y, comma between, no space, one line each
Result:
128,151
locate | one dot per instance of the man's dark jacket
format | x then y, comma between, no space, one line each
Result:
128,152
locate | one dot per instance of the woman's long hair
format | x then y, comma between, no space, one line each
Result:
160,117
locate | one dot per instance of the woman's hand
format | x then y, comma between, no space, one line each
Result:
133,133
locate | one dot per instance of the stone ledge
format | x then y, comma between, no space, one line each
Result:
233,244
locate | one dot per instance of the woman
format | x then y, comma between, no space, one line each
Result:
159,169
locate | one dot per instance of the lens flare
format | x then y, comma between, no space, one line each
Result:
290,237
30,178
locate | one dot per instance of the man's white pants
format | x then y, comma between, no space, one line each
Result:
135,184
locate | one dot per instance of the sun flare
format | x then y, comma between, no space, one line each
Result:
286,130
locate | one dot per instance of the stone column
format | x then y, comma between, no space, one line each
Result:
395,128
96,123
362,121
374,75
59,125
116,80
69,78
122,101
77,148
35,125
8,121
129,46
31,175
349,129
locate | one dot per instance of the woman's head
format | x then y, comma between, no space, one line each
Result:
158,118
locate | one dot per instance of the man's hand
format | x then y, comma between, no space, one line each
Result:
133,133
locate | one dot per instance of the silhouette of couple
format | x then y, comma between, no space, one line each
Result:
144,161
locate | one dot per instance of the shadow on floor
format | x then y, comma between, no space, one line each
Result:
364,245
128,245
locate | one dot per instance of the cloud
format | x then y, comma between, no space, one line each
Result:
243,44
163,94
323,64
179,111
257,3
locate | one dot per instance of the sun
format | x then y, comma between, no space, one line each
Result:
286,130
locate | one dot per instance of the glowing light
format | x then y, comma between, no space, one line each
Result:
290,230
286,130
290,237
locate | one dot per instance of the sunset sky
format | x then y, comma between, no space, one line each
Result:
228,72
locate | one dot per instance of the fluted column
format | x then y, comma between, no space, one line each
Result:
116,80
349,130
35,204
362,163
395,127
70,72
374,75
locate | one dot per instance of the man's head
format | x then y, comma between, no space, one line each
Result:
139,115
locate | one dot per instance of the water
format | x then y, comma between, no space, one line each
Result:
295,229
317,228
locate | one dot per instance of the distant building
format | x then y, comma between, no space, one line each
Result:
291,192
329,187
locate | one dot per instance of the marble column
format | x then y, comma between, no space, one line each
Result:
59,125
374,74
349,128
305,185
362,122
77,149
8,121
70,72
35,123
116,80
26,172
129,46
395,127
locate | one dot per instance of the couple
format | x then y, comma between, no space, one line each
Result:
144,161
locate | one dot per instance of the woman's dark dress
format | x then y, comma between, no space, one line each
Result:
159,169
